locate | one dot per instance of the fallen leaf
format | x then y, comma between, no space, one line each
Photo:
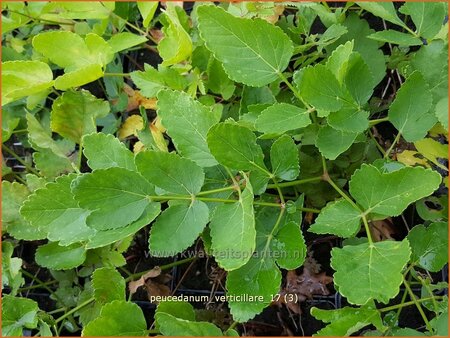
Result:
134,285
383,229
309,283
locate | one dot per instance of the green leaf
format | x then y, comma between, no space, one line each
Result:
259,279
442,112
348,320
266,49
182,310
41,138
235,146
378,267
125,40
176,45
68,50
151,81
282,117
390,193
24,78
320,88
339,218
290,245
147,10
53,210
284,158
358,79
17,314
339,59
410,112
187,122
233,231
218,81
51,165
74,114
56,257
108,285
430,245
173,326
170,172
384,10
115,196
118,318
77,10
11,266
181,223
104,151
427,17
440,324
13,196
349,119
396,37
106,237
79,77
332,142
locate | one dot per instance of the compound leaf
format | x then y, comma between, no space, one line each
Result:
56,257
104,151
115,196
282,117
339,218
187,122
378,267
429,245
181,223
265,48
170,172
118,318
390,193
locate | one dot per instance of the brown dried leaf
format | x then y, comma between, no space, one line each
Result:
383,229
134,285
155,288
135,99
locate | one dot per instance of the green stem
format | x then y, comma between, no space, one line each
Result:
75,309
154,331
80,156
37,286
418,306
214,191
41,20
376,121
233,325
402,305
295,92
397,138
117,74
25,164
41,283
294,183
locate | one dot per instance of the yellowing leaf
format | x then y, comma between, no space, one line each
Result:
130,127
411,158
432,150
